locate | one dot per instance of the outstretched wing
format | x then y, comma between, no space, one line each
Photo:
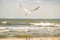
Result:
36,8
25,10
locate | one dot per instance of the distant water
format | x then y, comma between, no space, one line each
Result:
31,20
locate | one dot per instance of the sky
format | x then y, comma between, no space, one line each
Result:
49,9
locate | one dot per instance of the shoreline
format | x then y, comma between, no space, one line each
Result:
41,38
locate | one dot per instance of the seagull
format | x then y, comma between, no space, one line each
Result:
29,11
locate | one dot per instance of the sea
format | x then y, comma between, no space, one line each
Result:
15,27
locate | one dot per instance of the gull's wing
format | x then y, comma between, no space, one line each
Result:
36,8
25,10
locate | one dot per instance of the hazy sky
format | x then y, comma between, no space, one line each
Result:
49,9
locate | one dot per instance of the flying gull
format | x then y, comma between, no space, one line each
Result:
29,11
